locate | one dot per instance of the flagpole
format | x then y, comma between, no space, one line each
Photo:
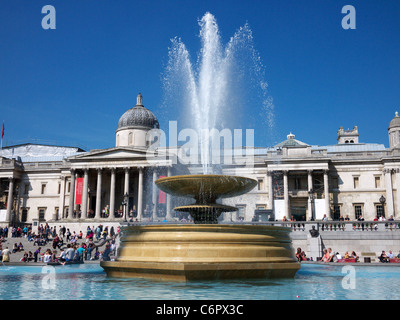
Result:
2,134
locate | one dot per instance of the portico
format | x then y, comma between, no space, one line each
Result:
291,181
105,177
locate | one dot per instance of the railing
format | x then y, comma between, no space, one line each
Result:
338,226
306,226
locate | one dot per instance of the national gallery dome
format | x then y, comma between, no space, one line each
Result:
137,117
134,125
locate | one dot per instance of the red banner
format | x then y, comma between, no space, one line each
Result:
79,188
162,197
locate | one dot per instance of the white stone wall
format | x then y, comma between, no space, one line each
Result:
131,137
35,199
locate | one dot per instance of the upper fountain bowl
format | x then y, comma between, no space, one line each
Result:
208,186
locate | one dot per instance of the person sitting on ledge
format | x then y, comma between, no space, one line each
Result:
346,255
325,257
354,255
332,256
303,256
298,254
383,257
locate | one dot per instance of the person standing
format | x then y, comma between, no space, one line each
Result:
6,255
35,254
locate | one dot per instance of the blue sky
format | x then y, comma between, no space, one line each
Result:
70,85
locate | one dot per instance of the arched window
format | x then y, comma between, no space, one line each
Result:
130,139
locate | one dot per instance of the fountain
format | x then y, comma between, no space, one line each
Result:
206,189
205,249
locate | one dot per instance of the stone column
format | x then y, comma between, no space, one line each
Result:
155,200
389,193
396,210
140,195
168,215
286,193
126,191
85,193
112,193
62,200
326,192
10,199
71,196
270,191
310,186
98,193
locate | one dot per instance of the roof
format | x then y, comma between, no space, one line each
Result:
291,142
355,147
30,152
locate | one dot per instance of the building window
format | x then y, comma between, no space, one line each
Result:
130,139
336,212
377,182
42,213
69,187
297,183
43,190
356,182
26,188
260,184
240,214
379,211
59,188
24,215
358,208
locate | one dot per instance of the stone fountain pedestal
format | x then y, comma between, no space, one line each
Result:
204,252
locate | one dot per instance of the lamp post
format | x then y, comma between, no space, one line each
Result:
382,200
311,197
125,203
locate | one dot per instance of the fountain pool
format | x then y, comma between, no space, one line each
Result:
90,282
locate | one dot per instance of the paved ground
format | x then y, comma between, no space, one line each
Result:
28,246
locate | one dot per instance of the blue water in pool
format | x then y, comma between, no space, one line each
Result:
89,282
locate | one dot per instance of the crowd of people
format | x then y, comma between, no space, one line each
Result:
331,256
67,246
385,257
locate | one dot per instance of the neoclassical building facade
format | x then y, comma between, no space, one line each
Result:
59,184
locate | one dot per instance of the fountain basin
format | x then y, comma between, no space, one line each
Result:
204,252
205,189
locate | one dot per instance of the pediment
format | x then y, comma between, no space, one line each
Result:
117,153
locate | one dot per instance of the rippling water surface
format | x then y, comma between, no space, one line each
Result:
89,282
